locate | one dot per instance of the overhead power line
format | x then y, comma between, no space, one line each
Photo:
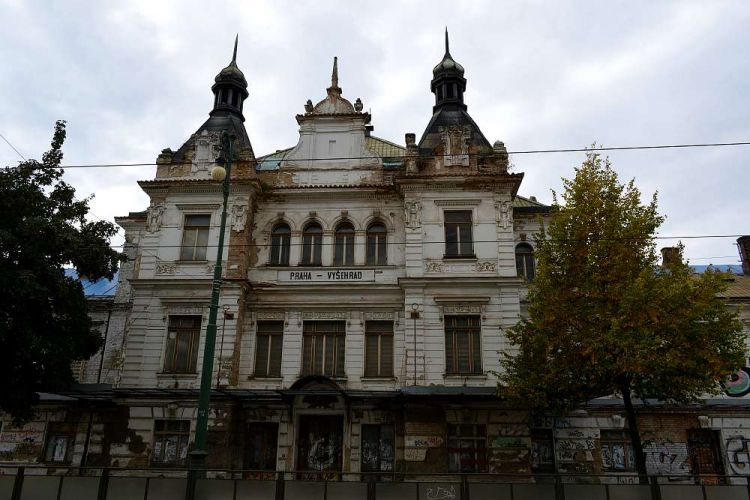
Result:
13,147
404,156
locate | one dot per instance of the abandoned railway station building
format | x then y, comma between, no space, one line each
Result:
367,287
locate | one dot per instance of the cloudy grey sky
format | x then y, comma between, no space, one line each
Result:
134,77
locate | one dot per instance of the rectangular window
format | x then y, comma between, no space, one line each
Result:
260,448
617,451
467,448
181,354
463,354
195,237
377,448
323,348
268,349
542,451
458,239
170,442
379,349
60,440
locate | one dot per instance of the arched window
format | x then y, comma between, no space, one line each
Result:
525,261
376,245
312,243
280,238
343,250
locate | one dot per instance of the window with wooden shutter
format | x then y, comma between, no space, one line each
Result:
379,349
268,349
323,348
463,353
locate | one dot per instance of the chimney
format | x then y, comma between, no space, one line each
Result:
670,256
743,243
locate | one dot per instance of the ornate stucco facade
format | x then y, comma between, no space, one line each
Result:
367,287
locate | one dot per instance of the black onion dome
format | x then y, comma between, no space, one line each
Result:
448,64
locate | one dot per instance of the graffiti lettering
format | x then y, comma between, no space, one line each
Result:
667,458
738,453
440,493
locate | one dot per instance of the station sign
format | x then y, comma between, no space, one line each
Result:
326,276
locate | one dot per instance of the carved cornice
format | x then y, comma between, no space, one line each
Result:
458,203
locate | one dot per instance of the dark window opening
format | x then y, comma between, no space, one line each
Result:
463,354
451,91
60,441
280,244
181,354
377,245
343,252
235,96
312,245
525,261
617,451
458,238
542,451
323,348
261,445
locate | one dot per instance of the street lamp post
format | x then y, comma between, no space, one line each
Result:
221,172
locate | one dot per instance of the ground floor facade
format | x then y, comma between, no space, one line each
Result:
316,430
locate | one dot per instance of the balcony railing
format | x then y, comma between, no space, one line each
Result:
61,483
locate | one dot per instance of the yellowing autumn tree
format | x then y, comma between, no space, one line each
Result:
604,316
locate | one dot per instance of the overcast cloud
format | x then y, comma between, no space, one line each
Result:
134,77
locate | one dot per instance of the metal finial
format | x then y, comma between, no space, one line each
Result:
335,74
447,51
234,55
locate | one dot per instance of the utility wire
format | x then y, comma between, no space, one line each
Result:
404,156
13,147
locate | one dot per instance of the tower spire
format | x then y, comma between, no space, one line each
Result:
236,39
447,50
335,73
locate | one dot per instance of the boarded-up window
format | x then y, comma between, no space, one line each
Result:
377,448
60,440
323,348
458,238
542,451
260,448
181,354
617,451
462,345
195,237
379,349
268,350
170,442
467,448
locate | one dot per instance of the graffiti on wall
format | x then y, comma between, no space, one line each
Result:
667,458
738,454
738,383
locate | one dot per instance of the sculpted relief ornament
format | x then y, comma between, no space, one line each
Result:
456,140
155,214
503,214
413,212
239,217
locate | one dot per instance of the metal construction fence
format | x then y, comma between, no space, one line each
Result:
60,483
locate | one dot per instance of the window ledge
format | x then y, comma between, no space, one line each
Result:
378,379
196,262
163,375
468,376
265,379
467,258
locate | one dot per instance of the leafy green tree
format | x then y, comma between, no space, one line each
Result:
605,318
44,322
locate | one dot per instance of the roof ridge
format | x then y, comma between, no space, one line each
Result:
387,142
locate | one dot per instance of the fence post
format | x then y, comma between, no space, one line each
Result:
655,491
103,484
464,487
18,484
371,488
280,486
190,486
559,488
